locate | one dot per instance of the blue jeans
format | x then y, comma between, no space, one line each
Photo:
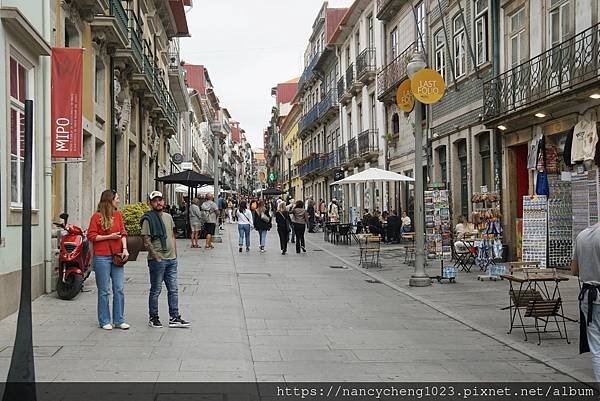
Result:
593,335
262,235
244,231
165,270
104,270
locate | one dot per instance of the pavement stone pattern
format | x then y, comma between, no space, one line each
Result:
268,317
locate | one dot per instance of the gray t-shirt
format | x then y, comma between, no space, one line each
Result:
587,254
212,209
169,252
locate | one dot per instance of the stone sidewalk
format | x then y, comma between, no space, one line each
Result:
269,317
478,304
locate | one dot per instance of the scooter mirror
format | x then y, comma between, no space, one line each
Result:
64,216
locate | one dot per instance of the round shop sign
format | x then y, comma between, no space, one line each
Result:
177,158
428,86
404,97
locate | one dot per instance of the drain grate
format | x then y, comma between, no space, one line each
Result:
373,281
317,250
338,267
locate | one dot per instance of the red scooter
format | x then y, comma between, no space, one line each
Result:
74,260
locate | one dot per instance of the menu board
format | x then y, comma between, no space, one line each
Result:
438,224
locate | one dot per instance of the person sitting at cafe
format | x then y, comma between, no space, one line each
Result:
406,224
374,224
366,219
393,227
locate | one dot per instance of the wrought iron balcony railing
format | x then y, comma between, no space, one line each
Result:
341,155
349,76
567,66
135,38
308,71
312,164
329,101
329,161
117,11
340,88
394,73
365,62
367,142
309,118
352,149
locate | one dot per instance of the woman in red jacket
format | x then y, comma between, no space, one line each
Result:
107,233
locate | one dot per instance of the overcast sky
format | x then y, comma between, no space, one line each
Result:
248,47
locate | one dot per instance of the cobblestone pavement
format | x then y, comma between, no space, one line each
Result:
298,317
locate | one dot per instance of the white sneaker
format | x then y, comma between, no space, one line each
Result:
107,327
123,326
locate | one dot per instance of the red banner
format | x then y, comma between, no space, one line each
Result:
67,82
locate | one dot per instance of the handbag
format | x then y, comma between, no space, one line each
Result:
265,218
117,259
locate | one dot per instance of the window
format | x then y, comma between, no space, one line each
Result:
518,39
360,118
357,43
370,32
350,135
373,116
559,19
421,27
348,58
443,165
395,124
460,56
440,52
486,161
393,44
464,180
481,31
19,91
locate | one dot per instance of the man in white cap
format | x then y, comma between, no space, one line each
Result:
157,232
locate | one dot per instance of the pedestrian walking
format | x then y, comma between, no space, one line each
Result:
245,224
107,233
210,215
282,217
310,209
586,265
157,232
229,211
299,218
289,208
195,222
262,223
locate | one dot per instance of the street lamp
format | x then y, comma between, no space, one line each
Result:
289,155
419,278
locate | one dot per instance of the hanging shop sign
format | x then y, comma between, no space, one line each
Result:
428,86
66,108
404,97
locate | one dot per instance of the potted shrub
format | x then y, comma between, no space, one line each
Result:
131,218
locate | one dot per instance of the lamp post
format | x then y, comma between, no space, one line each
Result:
289,155
217,130
419,278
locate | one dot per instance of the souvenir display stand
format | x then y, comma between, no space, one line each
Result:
560,223
488,221
535,229
438,230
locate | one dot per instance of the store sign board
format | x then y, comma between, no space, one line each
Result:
66,102
404,97
428,86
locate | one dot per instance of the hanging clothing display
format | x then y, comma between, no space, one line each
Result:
568,147
533,151
585,139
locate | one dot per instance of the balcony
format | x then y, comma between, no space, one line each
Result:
352,84
387,9
308,121
366,69
177,76
328,161
392,75
114,26
352,150
344,95
341,155
329,106
368,144
311,165
555,79
308,72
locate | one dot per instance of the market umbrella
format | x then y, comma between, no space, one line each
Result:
207,189
373,175
182,189
189,178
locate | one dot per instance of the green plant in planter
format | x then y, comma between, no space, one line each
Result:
131,217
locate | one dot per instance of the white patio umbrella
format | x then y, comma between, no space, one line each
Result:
207,189
182,189
373,175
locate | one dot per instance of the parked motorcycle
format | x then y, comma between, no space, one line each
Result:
74,260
